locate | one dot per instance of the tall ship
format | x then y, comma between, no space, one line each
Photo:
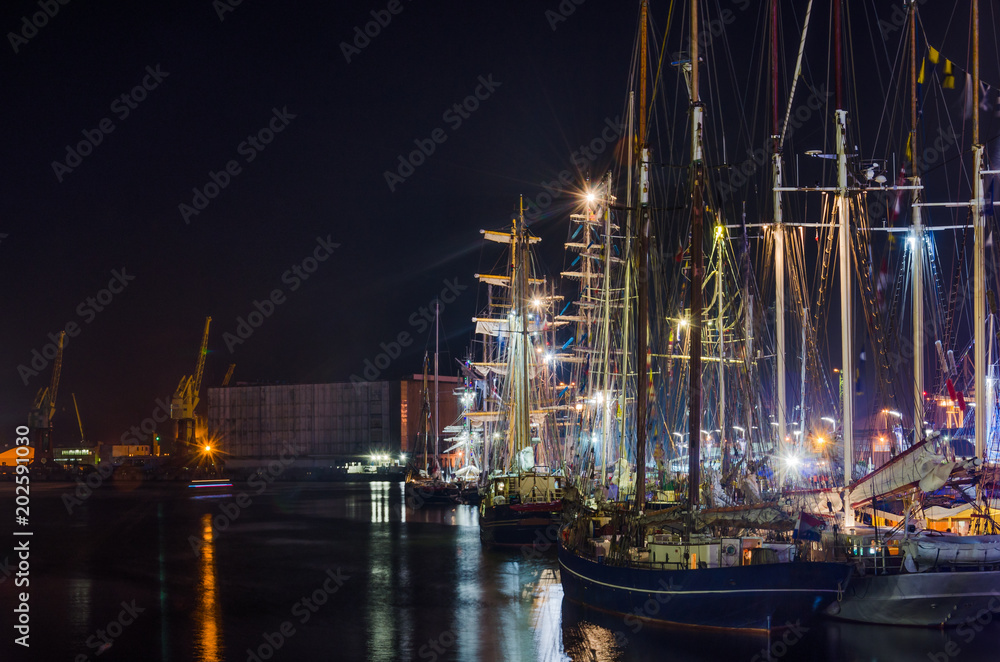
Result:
687,547
424,483
522,486
906,488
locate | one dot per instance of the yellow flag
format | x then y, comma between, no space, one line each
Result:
920,78
933,55
949,76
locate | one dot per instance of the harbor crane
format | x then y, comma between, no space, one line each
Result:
186,397
44,408
79,421
229,375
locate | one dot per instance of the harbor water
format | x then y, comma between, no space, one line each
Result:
347,571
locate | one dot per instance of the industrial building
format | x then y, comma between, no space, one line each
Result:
347,421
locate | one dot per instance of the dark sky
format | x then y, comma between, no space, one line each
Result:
66,231
322,176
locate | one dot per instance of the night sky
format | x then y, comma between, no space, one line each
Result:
219,80
206,87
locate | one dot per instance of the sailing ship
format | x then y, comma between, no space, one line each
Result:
424,484
723,566
904,575
521,497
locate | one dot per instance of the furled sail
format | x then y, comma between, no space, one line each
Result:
918,466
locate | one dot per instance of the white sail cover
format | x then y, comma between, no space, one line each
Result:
526,458
470,472
918,466
500,326
622,476
933,549
504,237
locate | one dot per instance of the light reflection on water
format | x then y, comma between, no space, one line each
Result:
380,574
208,647
420,587
80,604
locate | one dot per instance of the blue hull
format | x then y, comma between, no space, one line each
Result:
750,597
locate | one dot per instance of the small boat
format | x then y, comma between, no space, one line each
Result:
420,487
468,485
421,490
520,509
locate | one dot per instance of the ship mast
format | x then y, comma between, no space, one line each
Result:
979,244
424,414
779,236
697,275
642,290
519,283
437,387
918,246
847,329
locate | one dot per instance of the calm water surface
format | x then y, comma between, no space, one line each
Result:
328,571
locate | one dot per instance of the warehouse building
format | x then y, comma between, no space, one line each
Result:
344,421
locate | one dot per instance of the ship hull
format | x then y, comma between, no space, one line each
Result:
929,599
749,597
420,493
518,526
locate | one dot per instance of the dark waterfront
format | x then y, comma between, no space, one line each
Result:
328,571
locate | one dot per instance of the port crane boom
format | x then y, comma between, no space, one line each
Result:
44,408
186,396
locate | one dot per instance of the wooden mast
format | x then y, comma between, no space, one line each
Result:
779,237
847,317
697,275
917,251
642,289
979,243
